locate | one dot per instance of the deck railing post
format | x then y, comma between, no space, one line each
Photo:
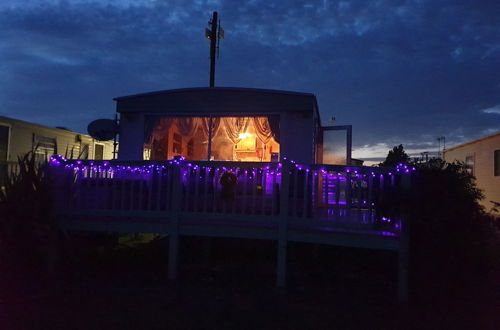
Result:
173,240
283,224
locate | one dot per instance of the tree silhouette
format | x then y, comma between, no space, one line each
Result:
395,156
449,229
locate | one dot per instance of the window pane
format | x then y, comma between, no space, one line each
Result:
84,153
469,164
247,139
232,138
44,148
334,147
167,137
99,151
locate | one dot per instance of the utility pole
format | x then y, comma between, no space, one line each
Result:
214,33
115,142
425,156
441,151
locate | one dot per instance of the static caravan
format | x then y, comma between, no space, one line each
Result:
229,124
234,181
18,137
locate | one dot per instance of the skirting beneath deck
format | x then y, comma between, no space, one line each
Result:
247,227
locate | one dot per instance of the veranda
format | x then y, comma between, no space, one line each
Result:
284,202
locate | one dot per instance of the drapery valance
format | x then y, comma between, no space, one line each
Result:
262,129
156,128
234,126
188,125
216,123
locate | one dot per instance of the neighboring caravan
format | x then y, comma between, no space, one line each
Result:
229,124
482,157
18,137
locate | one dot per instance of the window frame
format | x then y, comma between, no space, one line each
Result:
103,148
470,166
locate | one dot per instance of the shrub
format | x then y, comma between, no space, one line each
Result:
25,224
450,232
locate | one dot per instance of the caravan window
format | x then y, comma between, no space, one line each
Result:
99,151
250,139
469,164
44,147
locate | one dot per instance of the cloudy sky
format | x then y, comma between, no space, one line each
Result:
398,71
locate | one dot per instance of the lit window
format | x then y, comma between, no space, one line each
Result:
249,139
190,148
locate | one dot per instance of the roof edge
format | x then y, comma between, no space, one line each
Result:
192,89
472,142
40,125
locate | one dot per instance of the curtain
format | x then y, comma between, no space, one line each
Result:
234,126
188,125
262,129
216,121
156,128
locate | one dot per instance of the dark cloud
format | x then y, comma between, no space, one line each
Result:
396,70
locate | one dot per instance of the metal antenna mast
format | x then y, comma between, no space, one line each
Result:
441,151
214,33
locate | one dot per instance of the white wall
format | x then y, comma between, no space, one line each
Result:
297,136
131,136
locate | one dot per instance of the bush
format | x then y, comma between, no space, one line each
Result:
450,232
25,225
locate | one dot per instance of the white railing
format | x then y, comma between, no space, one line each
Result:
332,196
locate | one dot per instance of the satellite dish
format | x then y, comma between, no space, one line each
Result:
103,129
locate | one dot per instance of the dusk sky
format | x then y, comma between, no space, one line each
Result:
398,71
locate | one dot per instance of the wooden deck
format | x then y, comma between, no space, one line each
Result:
336,205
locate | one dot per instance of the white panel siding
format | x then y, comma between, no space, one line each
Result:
21,140
297,136
131,136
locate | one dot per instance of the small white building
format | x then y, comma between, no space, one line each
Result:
232,124
482,157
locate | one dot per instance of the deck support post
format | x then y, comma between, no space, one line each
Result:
403,254
173,253
283,225
403,266
173,237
